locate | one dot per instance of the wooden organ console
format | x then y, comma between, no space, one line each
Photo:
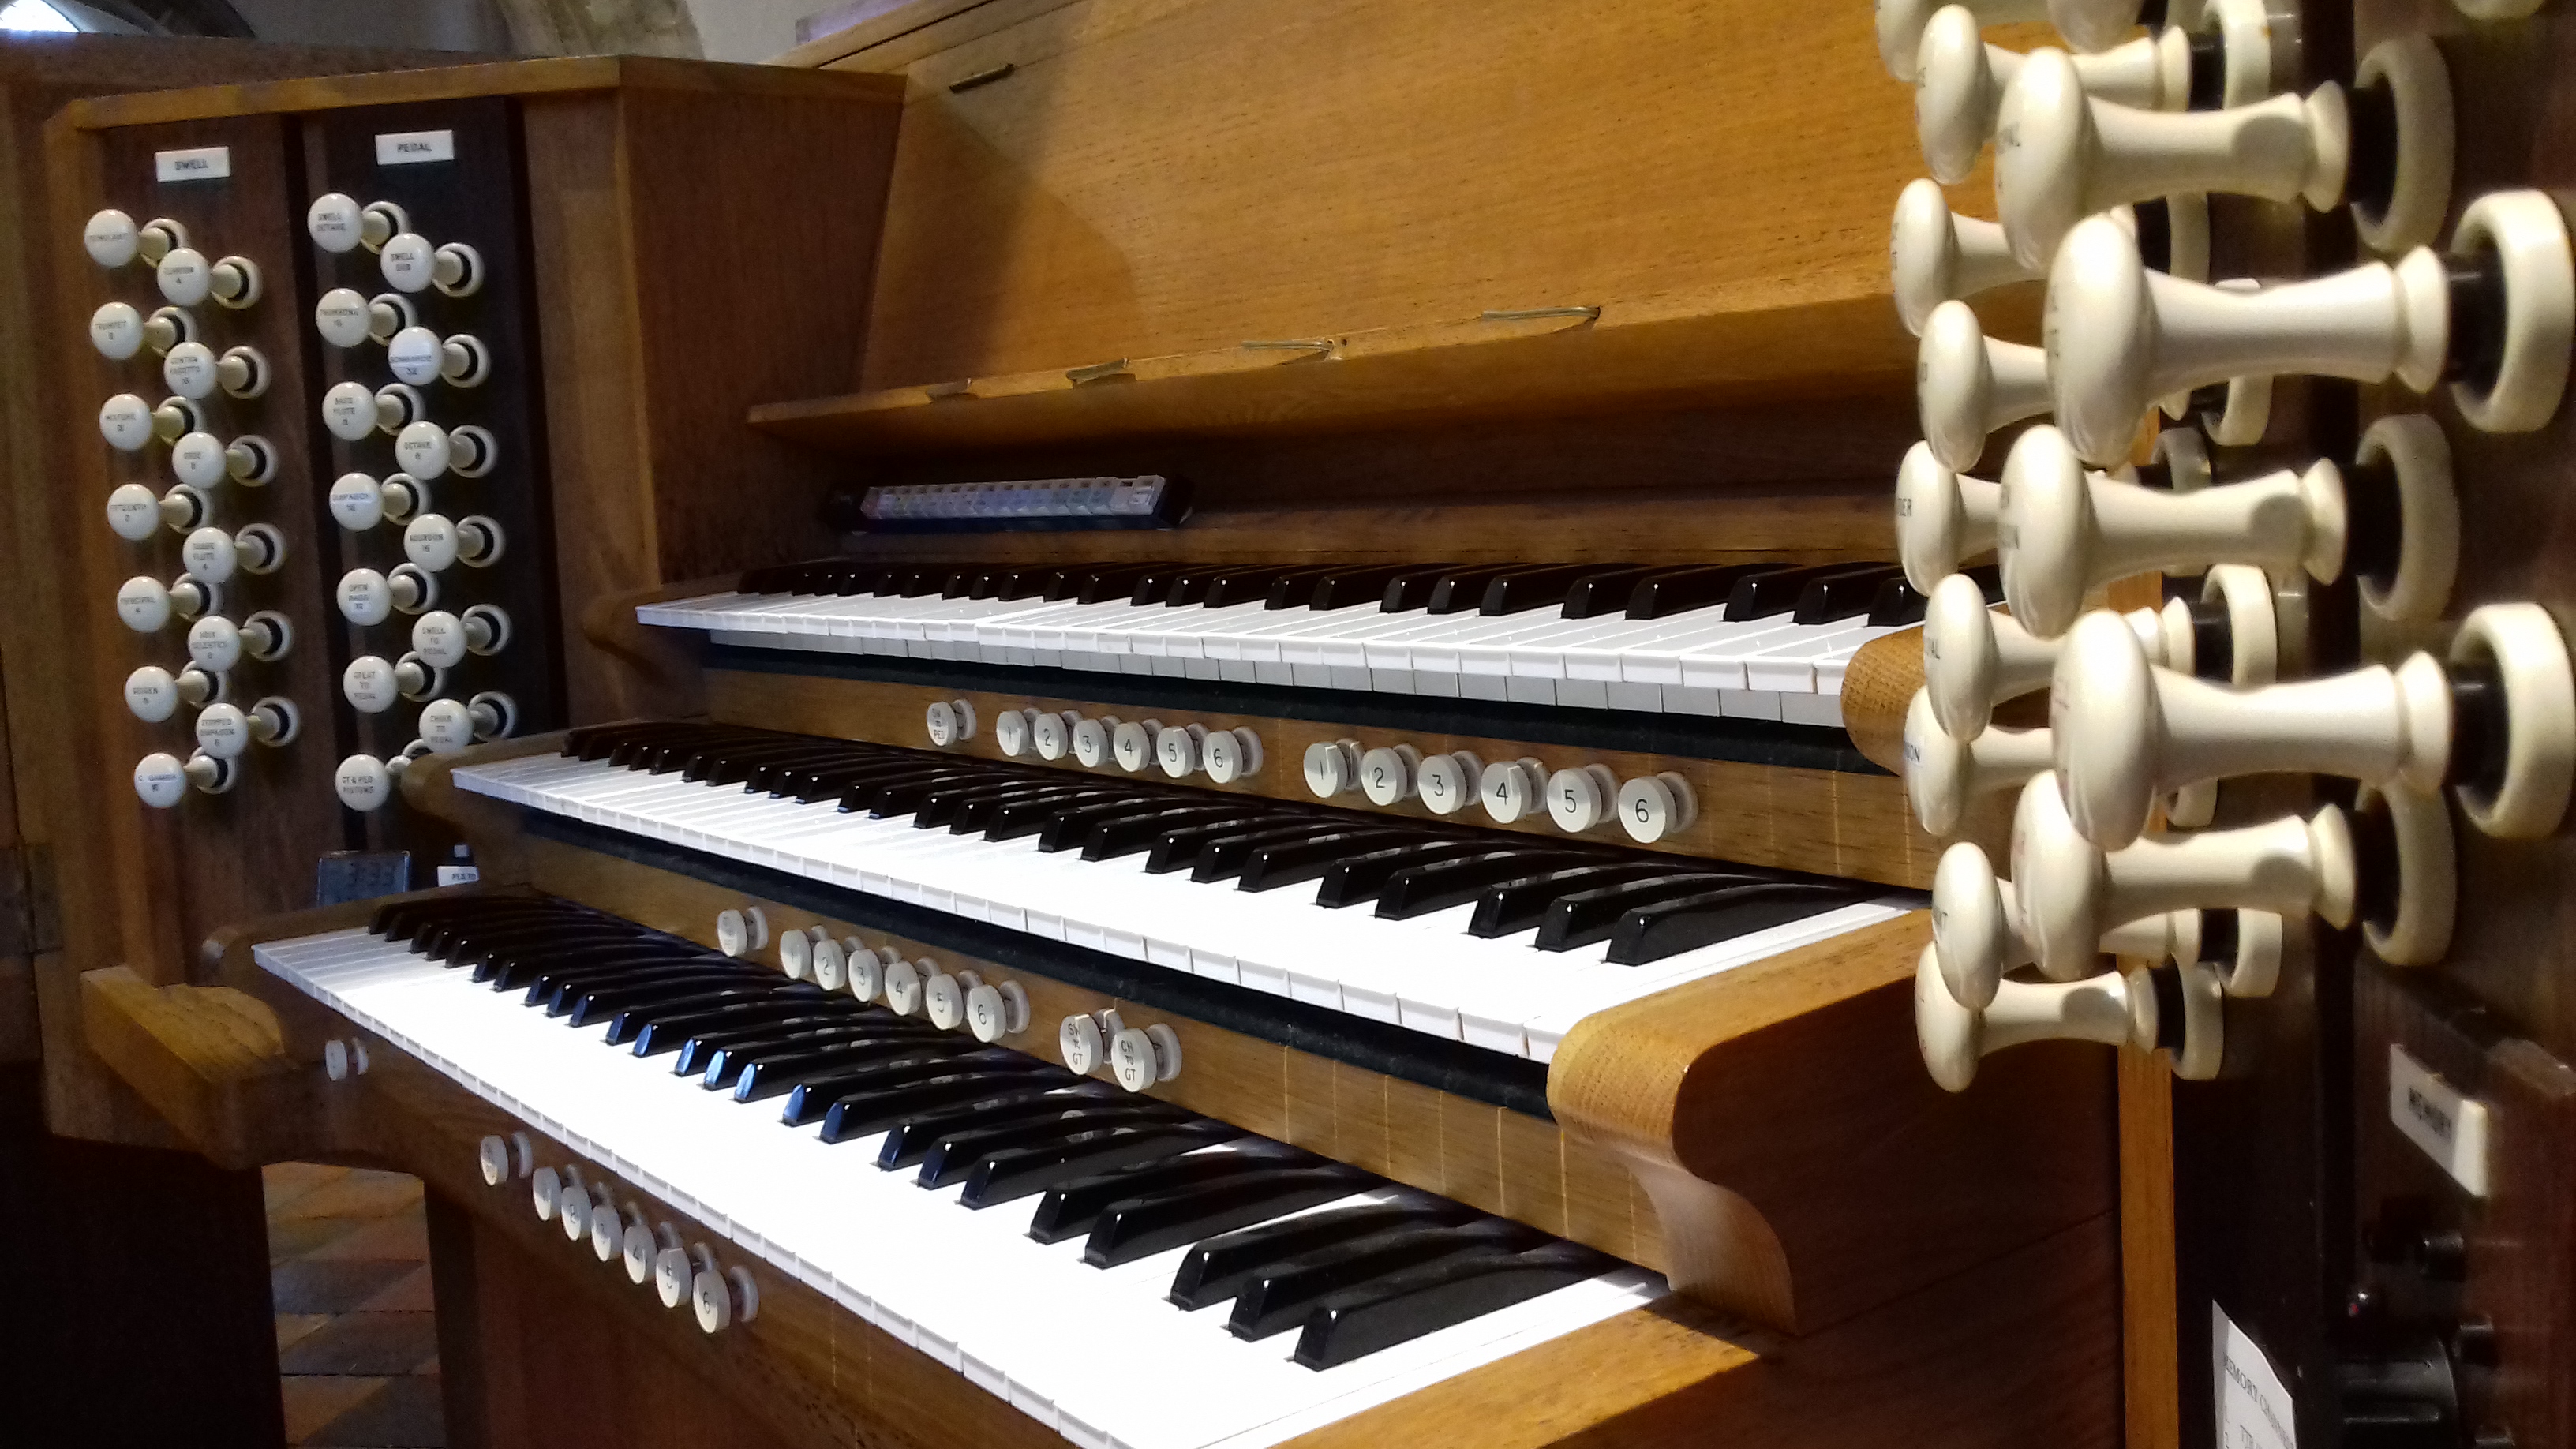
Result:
1203,724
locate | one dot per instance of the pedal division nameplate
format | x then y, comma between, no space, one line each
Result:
198,163
2452,1127
411,148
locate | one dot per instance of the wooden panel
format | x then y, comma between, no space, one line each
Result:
1818,820
1159,177
1634,354
1793,1084
659,330
803,1372
213,858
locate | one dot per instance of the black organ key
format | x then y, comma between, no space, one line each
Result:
1280,1297
1463,589
941,806
1016,820
1537,587
1217,1268
1679,591
720,1057
901,797
1419,890
1357,1322
950,1159
775,1076
694,1034
678,1019
590,1008
1761,595
1022,1171
1347,587
1607,590
867,1111
864,1088
1272,866
908,1141
1140,1225
1179,847
1583,917
1069,1210
1253,583
1512,906
1126,834
1362,876
1846,594
1155,585
1316,844
1412,588
1670,927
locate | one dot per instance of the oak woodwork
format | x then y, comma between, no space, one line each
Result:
804,1372
1691,1087
1155,178
1833,822
1772,1116
1878,687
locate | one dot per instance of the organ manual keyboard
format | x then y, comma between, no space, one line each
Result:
1290,852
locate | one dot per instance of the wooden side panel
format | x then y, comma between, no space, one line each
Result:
1159,176
217,858
660,330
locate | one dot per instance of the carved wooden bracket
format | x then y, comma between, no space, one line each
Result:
1802,1163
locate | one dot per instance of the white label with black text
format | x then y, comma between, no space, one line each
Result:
2451,1126
456,875
2255,1410
410,148
202,163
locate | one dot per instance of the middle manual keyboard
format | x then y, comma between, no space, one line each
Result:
1500,940
1766,641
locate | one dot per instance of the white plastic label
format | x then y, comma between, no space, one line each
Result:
349,411
199,163
341,317
414,355
116,330
2452,1127
454,875
126,422
2255,1410
368,684
413,148
198,459
366,597
357,501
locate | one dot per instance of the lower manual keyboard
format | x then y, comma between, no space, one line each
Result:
1315,1291
1449,972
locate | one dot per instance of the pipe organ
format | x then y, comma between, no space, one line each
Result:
1204,726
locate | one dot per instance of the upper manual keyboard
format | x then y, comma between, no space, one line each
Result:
1756,641
1500,940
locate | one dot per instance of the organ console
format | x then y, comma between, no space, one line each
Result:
1132,785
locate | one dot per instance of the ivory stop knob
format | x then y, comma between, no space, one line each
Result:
2120,337
2177,1009
2072,891
1967,384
